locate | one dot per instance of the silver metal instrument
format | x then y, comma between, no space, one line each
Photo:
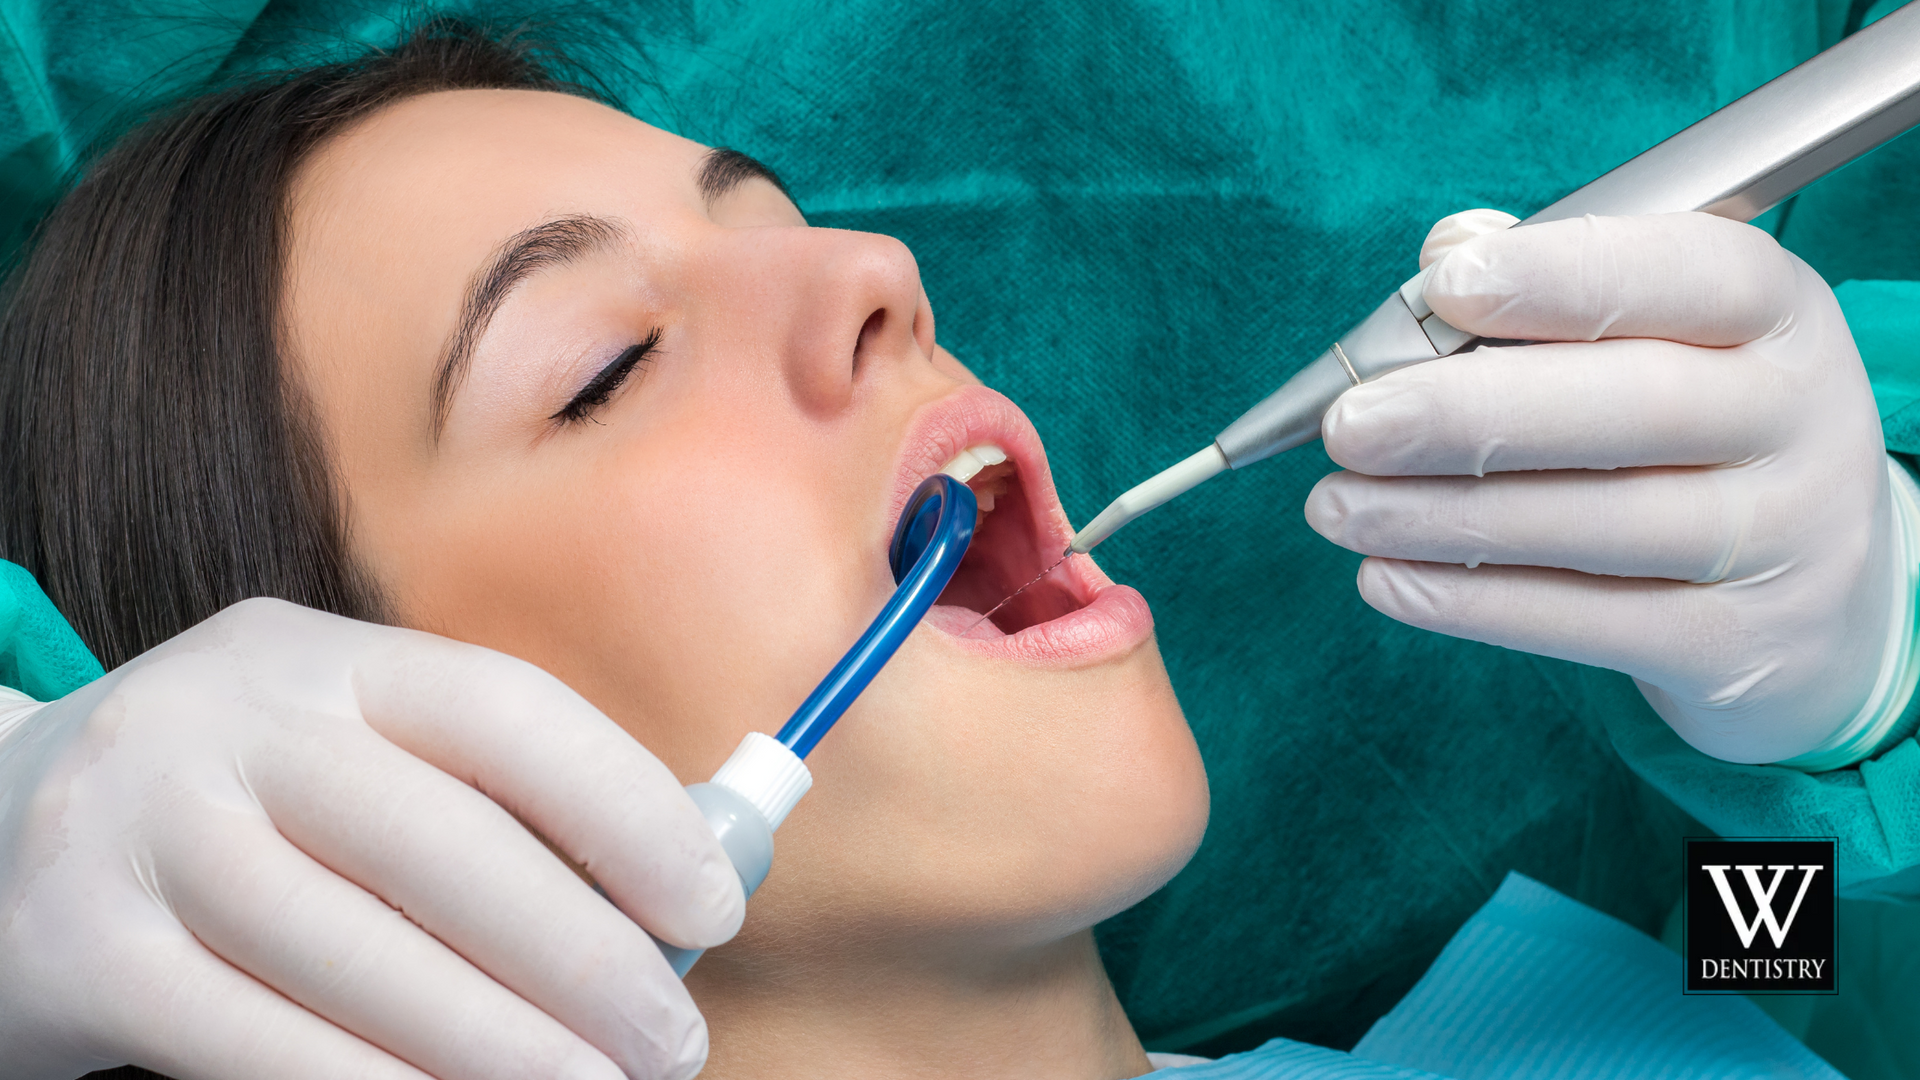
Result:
1737,163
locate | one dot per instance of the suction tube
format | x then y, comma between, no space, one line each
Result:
928,543
753,792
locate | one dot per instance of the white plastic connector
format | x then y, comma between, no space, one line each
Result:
767,774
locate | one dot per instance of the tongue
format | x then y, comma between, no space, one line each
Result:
961,622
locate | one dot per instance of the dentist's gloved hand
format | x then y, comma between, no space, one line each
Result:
1688,484
283,845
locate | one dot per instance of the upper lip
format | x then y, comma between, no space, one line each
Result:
968,417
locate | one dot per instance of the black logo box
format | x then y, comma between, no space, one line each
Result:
1718,960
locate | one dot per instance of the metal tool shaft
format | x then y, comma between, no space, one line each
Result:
1737,163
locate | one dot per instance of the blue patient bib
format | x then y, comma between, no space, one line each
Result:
1538,987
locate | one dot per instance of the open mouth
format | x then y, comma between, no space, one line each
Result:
1073,612
1002,576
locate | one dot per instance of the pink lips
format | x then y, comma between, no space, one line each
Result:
1113,624
1111,619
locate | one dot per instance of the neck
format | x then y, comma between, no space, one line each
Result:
1047,1011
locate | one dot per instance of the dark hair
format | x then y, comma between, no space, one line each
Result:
156,463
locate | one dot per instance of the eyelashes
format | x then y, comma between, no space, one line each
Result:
603,386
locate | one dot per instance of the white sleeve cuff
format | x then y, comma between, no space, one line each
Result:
15,707
1874,725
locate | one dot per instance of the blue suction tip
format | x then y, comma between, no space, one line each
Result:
929,541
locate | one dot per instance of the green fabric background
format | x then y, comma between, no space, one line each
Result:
40,655
1137,217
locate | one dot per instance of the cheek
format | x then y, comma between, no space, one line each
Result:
693,586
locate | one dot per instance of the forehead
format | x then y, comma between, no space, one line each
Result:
471,162
391,220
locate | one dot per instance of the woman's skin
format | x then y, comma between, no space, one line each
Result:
693,548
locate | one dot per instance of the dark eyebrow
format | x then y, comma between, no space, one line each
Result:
724,169
552,243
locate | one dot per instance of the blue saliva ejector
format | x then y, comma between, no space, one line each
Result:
753,792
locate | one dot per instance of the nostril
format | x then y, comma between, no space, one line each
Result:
869,330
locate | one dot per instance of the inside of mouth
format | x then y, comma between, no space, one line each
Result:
1008,551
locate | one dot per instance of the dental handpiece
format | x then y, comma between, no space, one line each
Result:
1737,163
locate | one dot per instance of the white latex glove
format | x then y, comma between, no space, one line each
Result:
1690,486
283,845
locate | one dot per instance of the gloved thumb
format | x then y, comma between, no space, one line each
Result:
1456,229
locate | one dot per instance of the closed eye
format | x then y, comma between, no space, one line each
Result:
603,386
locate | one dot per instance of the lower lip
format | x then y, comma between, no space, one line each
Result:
1114,623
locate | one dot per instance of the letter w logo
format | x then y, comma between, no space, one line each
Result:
1762,899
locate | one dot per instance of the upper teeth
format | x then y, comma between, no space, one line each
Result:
967,463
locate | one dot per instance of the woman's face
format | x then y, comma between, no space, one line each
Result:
605,402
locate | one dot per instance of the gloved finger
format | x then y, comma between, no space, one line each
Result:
540,750
460,866
1685,277
1695,641
528,742
1681,524
1658,631
270,910
1456,229
1603,405
197,1016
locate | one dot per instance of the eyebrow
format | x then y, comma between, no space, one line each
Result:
549,244
556,243
724,169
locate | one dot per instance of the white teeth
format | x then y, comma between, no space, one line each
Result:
967,463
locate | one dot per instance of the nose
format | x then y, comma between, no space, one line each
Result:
841,308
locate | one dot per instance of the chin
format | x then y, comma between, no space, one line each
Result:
968,803
1122,815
